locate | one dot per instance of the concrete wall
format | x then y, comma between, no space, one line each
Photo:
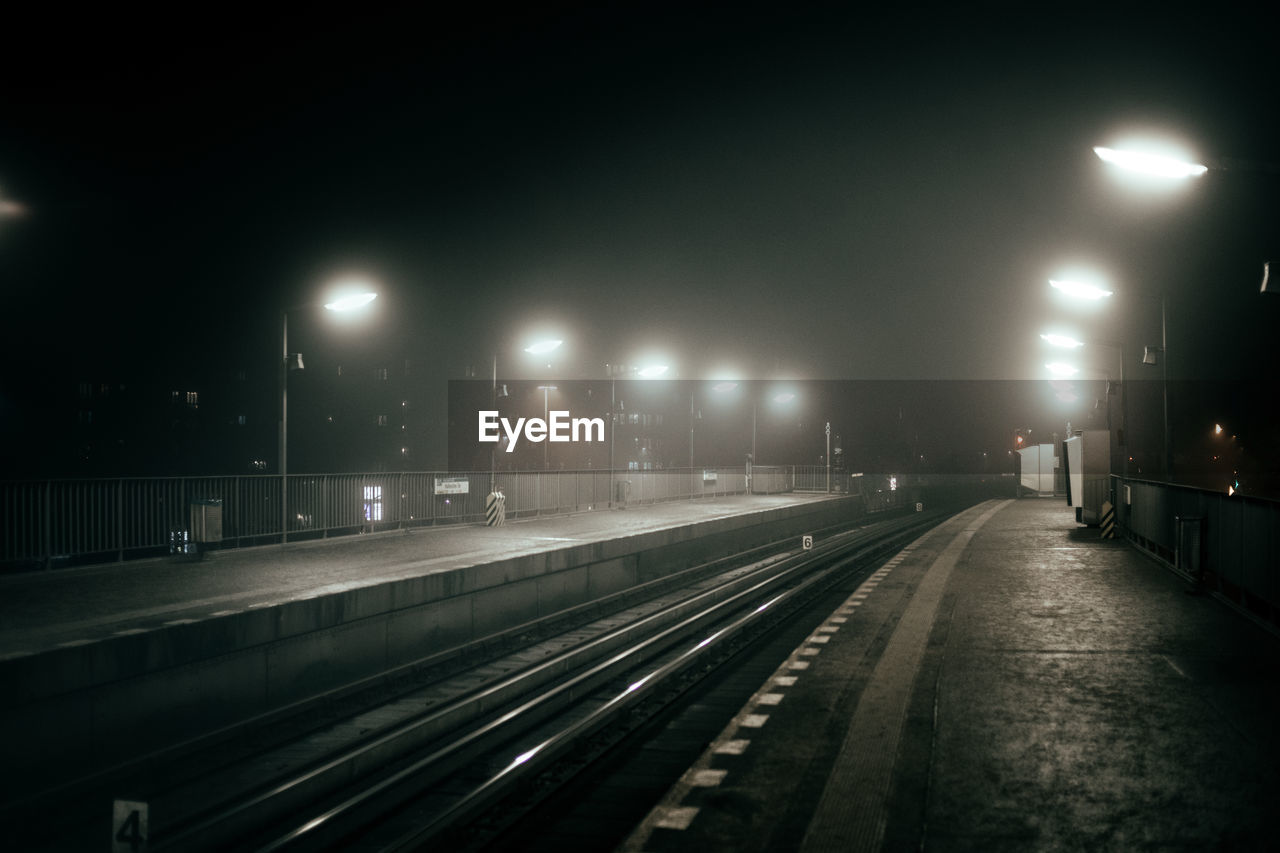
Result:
100,703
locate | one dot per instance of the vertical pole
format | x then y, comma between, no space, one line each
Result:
1164,349
284,427
613,426
493,404
120,521
1124,416
828,457
691,405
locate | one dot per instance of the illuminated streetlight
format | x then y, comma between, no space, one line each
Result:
542,347
652,371
293,361
1150,164
1062,341
351,302
1079,289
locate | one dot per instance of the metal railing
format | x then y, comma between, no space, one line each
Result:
65,522
1236,549
47,522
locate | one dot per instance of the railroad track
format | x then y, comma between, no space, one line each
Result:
421,761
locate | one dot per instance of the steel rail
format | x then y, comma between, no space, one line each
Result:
406,781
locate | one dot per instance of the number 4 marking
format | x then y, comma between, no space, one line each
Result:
129,825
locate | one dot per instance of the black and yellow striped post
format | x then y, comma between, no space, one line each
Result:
1108,523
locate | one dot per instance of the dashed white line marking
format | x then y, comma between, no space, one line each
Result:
840,620
798,664
707,778
856,603
754,721
857,596
819,638
179,622
810,651
785,680
770,699
224,613
737,746
678,817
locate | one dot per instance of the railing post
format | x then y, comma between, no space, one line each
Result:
46,523
120,520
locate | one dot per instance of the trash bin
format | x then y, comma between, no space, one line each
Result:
206,520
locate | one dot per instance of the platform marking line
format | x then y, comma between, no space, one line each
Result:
706,778
129,632
71,644
223,613
173,622
852,812
678,817
736,746
21,653
670,814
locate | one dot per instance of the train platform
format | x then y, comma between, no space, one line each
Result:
73,607
1009,681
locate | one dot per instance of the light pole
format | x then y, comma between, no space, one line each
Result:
1078,290
1066,342
546,390
349,302
539,347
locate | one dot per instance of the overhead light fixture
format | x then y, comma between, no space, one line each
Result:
1080,290
1150,164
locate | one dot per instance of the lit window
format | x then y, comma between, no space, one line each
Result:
379,373
382,420
373,503
193,399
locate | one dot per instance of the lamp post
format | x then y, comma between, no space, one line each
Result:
349,302
1066,342
539,347
546,391
1078,290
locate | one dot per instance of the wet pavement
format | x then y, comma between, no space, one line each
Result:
1009,682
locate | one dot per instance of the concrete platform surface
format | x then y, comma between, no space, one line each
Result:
68,607
1008,682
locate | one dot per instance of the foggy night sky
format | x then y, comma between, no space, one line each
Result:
814,193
